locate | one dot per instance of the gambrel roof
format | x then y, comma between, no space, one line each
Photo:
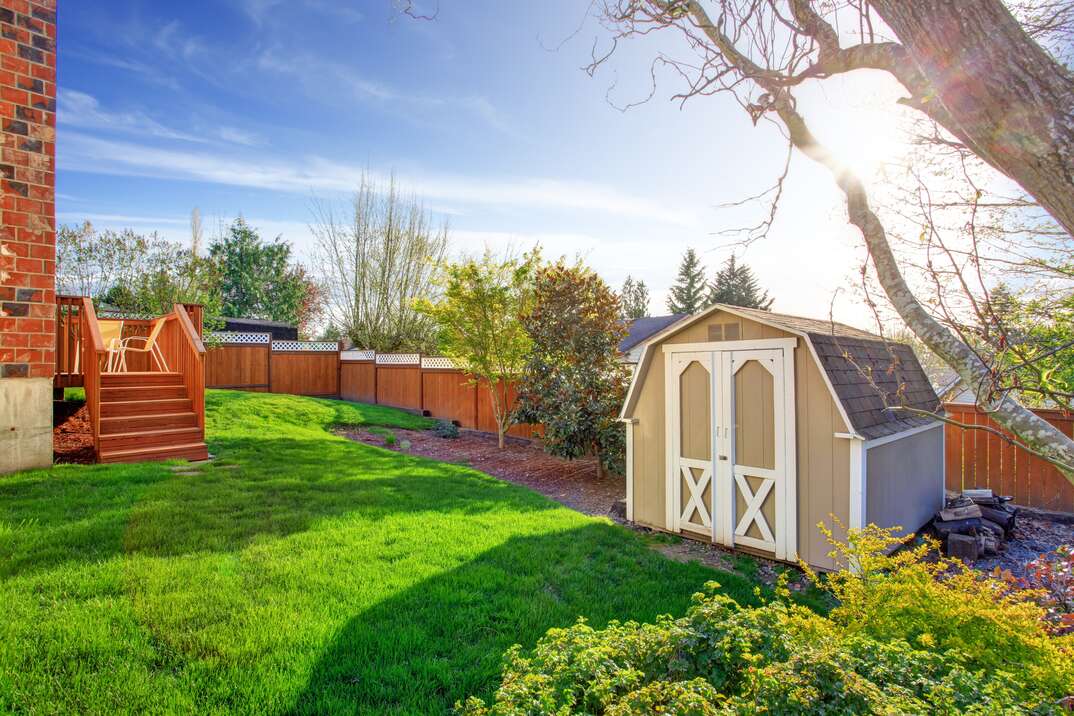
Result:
867,374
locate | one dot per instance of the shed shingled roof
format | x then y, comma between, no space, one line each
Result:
640,329
867,372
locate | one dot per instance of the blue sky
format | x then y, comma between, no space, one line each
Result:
262,107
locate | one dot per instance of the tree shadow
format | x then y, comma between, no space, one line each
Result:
271,487
443,639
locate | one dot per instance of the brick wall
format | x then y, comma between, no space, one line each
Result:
27,168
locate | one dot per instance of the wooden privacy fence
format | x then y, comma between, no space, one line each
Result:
979,458
427,384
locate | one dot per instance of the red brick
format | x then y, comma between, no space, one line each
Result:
16,96
44,370
42,281
7,325
15,64
42,310
25,325
42,340
43,251
14,340
28,265
29,355
13,218
42,72
7,355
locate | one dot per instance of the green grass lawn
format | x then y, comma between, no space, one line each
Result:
298,573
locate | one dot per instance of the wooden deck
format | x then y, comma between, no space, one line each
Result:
147,411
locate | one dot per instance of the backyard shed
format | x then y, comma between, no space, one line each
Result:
748,428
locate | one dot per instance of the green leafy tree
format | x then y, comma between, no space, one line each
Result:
736,285
635,299
688,292
573,383
478,323
257,278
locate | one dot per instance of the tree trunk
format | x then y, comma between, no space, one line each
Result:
996,90
1044,437
600,463
499,435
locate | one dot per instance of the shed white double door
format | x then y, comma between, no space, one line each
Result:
731,446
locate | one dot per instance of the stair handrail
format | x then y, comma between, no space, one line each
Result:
191,362
92,352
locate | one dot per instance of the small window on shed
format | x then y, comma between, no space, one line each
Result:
723,332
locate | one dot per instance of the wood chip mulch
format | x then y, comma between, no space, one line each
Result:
72,440
573,483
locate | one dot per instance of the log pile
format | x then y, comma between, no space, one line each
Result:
974,523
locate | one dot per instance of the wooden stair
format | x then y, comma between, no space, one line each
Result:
148,416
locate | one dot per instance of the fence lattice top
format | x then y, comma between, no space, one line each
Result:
319,346
437,363
357,355
398,359
235,337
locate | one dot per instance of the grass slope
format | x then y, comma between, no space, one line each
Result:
299,573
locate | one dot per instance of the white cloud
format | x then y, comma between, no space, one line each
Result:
78,109
312,71
261,12
234,135
111,220
90,154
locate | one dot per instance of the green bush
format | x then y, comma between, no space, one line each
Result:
446,429
908,635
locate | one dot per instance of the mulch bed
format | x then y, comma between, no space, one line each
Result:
72,439
573,483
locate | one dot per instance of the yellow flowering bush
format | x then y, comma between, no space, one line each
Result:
911,633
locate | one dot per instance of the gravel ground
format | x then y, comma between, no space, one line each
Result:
1034,534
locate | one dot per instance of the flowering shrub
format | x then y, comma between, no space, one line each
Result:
1053,578
908,636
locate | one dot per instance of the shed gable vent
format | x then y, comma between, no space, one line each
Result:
723,332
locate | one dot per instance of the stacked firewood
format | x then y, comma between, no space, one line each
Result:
974,523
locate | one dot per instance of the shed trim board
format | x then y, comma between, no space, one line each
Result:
720,473
904,434
629,426
858,471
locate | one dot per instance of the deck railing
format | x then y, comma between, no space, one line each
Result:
184,353
68,341
93,355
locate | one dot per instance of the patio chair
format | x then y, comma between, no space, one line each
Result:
112,335
149,346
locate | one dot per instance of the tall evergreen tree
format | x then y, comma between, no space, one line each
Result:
635,299
688,293
736,285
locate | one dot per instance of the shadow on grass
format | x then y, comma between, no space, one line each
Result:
443,639
262,487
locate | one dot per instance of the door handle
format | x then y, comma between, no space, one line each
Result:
723,457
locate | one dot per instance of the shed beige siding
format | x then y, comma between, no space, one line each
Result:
905,481
823,460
